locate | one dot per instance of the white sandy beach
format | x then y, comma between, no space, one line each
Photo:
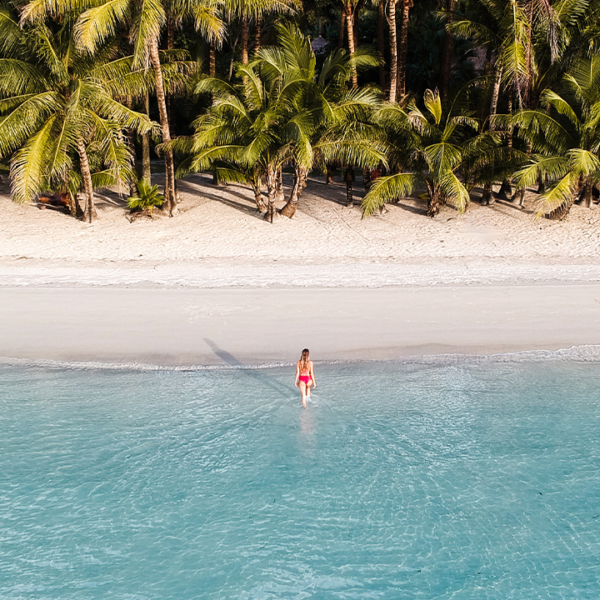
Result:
216,284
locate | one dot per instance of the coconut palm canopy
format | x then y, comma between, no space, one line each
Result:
440,97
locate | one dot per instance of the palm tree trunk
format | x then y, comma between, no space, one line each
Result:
258,197
75,206
146,169
130,140
351,48
505,190
90,210
381,41
519,198
244,32
279,184
562,211
367,178
329,175
356,20
212,59
394,52
342,28
433,202
402,50
170,198
496,91
349,196
271,192
258,33
586,193
289,210
447,56
488,197
170,46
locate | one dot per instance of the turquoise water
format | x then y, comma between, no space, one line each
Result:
401,481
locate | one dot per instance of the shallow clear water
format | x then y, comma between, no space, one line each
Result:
466,481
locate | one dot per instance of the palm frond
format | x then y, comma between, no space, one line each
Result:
28,173
388,189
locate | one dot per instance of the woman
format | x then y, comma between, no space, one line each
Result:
305,375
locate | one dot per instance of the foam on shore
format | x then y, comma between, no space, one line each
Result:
584,354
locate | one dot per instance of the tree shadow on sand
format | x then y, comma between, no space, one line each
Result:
335,192
257,375
210,191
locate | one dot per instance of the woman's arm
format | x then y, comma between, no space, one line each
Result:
312,373
297,374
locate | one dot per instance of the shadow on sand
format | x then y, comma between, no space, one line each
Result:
258,375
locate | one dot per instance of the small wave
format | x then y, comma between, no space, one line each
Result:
587,353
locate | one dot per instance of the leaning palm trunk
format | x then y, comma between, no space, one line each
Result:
271,192
90,210
289,210
170,204
560,212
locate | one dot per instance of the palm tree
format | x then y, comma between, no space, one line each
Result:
565,140
145,21
526,39
61,122
257,10
431,145
242,131
283,112
349,7
317,104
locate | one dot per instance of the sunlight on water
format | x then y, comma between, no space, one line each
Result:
400,481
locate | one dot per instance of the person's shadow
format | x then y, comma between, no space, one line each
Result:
259,375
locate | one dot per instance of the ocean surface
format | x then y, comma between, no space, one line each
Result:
450,480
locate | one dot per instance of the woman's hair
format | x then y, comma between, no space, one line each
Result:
304,358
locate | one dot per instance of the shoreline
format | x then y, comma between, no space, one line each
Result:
246,327
577,354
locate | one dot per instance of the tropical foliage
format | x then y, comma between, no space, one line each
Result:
449,99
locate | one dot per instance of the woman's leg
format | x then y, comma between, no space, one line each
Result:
303,393
308,390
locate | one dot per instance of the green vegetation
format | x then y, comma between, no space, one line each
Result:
443,95
147,198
